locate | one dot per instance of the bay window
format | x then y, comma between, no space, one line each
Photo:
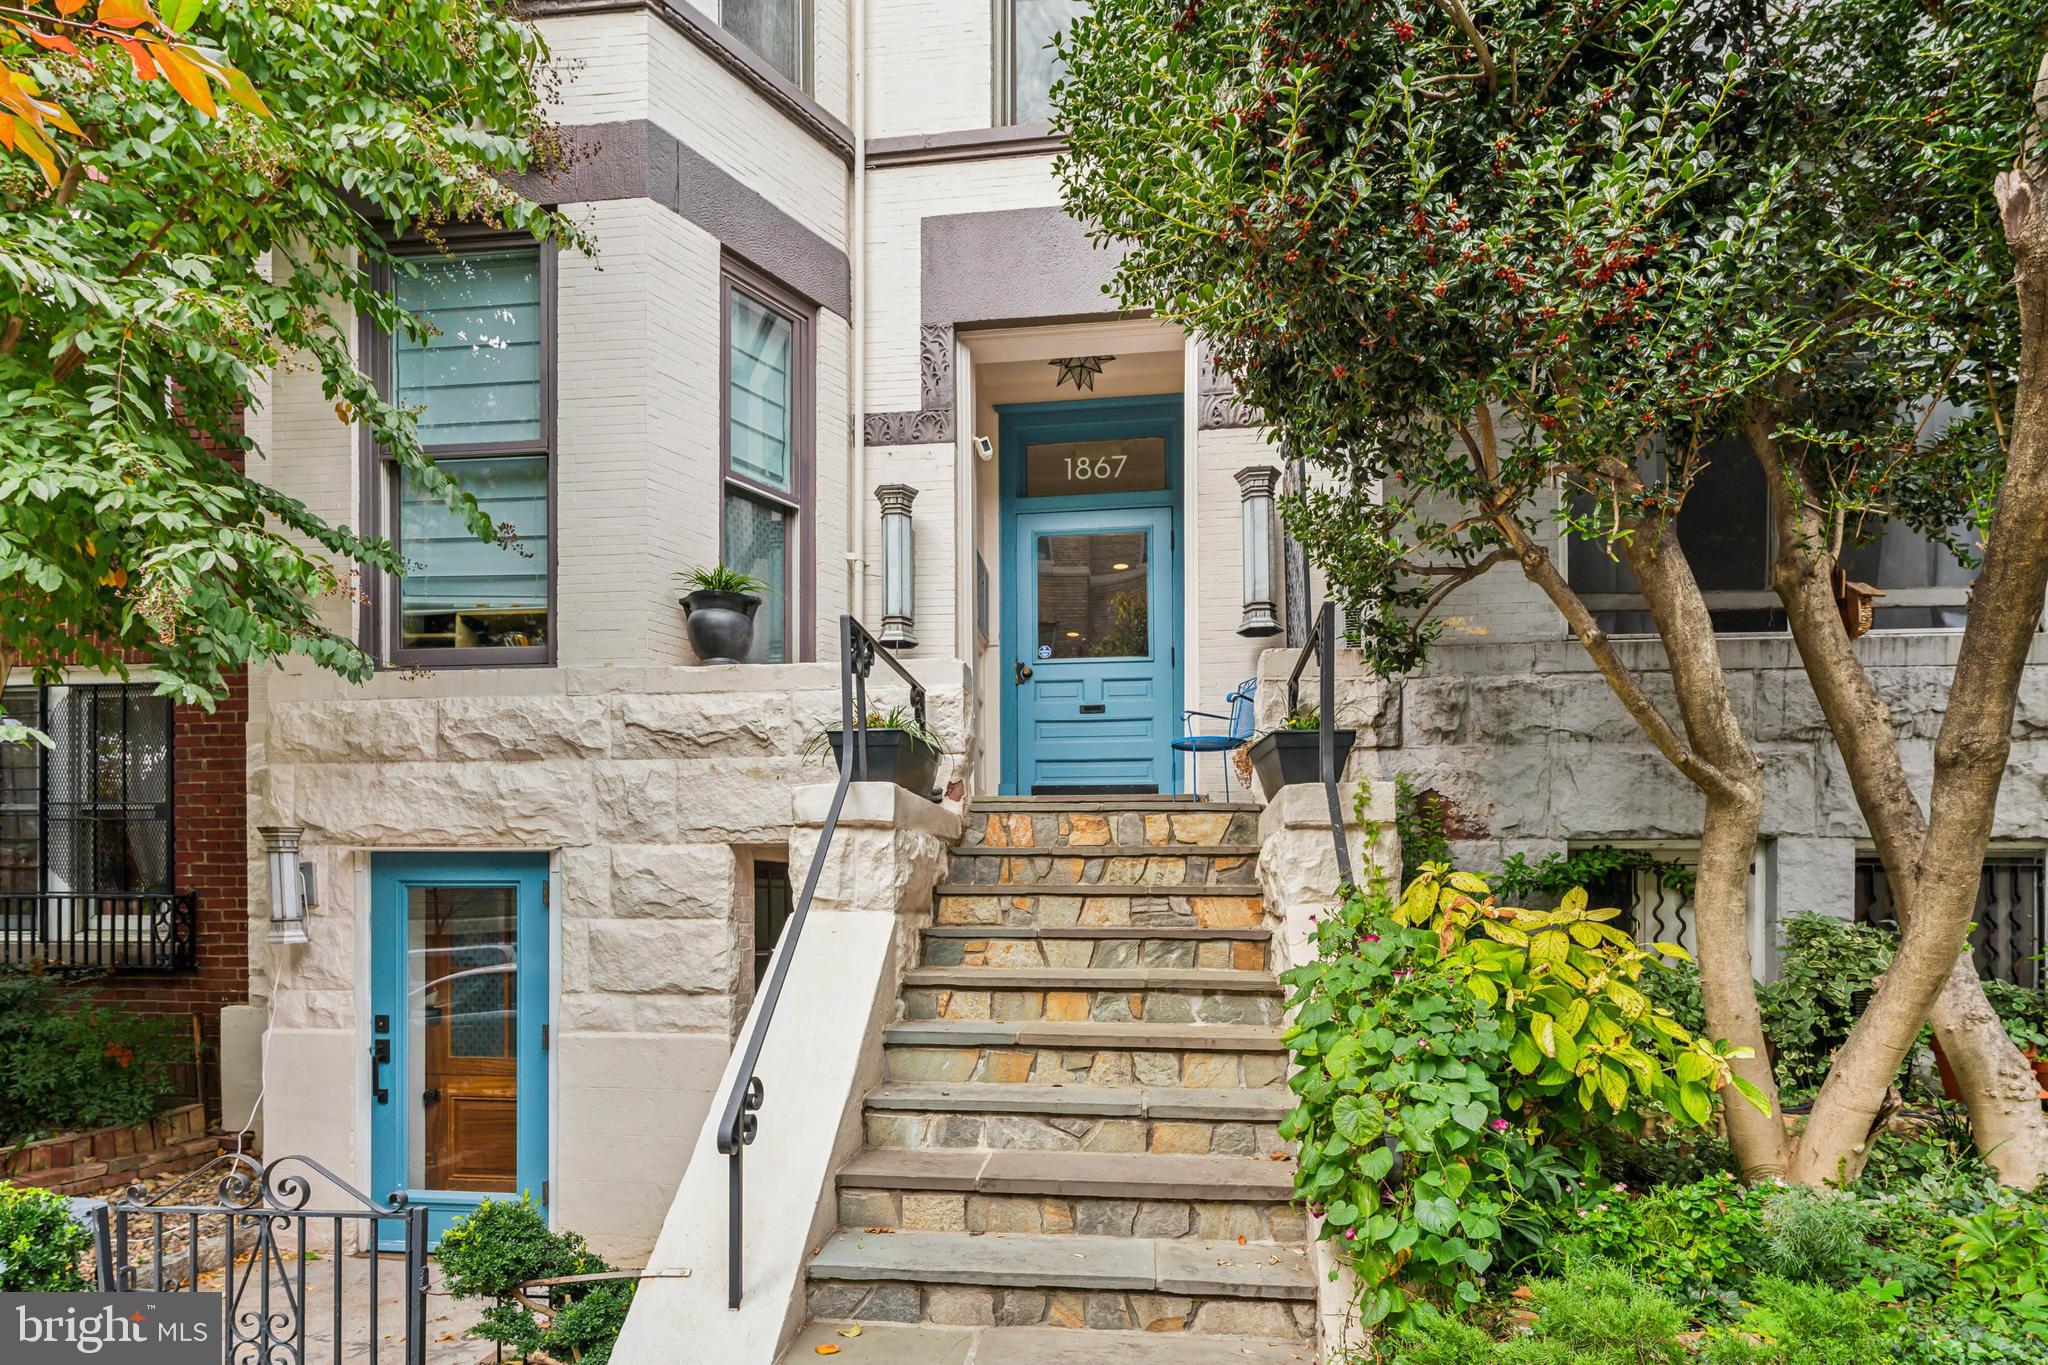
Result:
778,31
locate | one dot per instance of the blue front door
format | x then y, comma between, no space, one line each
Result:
1091,579
459,1000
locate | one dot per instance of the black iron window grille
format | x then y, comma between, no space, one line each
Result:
86,832
2007,932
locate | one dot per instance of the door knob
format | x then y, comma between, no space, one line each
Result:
431,1095
1023,671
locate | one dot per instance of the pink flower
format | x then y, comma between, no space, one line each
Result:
1499,1125
1351,1234
1370,938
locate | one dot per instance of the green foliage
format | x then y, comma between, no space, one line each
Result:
1303,718
722,579
1453,1054
1594,1317
142,303
1807,1010
2001,1267
1419,821
505,1244
2024,1012
68,1064
1804,1324
40,1242
1557,873
1693,1241
892,718
1818,1236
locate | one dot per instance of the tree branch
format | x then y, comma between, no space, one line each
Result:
1458,16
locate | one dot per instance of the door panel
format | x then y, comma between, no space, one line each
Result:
1096,601
460,996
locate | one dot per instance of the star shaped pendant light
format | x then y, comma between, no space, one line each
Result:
1082,369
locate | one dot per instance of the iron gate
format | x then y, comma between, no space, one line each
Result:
300,1284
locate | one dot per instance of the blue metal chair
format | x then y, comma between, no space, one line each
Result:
1242,706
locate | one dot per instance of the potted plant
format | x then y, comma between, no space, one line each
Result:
719,612
2024,1012
1287,756
901,749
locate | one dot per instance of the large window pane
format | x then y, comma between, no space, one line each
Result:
1900,557
21,777
107,785
760,394
1093,597
463,965
1033,65
757,543
479,378
459,592
773,28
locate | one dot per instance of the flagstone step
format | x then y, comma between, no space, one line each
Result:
1099,803
1070,1173
1087,1118
1110,995
1069,946
1079,1281
1067,828
1207,1056
930,1344
1106,867
1205,906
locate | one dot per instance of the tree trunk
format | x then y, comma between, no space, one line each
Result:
1997,1081
1728,833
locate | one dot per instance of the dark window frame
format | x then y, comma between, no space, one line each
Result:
1991,946
84,811
380,473
806,44
800,499
1003,67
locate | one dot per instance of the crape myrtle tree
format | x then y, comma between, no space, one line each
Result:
1494,268
188,202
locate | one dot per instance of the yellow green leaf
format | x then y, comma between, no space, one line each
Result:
1544,1030
1673,950
1573,900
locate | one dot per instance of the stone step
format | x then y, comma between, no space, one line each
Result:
1107,866
1107,995
931,1344
1074,1281
1205,1056
1066,827
1067,1193
1216,906
1132,802
1089,1118
1070,946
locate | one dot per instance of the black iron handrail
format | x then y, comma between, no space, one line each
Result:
738,1124
1322,644
155,931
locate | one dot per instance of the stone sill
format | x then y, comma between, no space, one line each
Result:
937,674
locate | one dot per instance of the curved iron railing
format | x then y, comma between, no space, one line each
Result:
739,1123
1322,644
136,931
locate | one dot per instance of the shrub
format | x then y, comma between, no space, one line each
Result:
1593,1317
1453,1055
507,1243
2001,1267
40,1242
1807,1010
1818,1236
67,1064
1694,1241
1804,1324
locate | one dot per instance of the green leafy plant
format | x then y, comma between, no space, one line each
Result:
2024,1012
1558,873
40,1242
722,579
901,718
2001,1267
68,1064
1593,1317
1694,1241
506,1244
1419,821
1818,1236
1808,1010
1451,1054
1303,718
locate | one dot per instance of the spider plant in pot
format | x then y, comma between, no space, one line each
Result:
719,612
901,749
1287,757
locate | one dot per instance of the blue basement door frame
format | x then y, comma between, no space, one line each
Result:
393,876
1021,424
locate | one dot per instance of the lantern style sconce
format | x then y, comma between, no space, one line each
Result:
1256,484
291,883
899,603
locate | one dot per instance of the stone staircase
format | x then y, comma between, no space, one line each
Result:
1077,1125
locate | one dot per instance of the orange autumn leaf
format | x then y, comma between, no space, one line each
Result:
54,42
68,8
828,1349
126,13
145,69
184,75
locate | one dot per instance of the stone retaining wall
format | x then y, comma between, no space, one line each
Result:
87,1163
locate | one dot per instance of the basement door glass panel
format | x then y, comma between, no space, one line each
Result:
478,378
1065,468
1094,595
463,951
459,592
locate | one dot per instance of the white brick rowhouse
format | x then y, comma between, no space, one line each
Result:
822,268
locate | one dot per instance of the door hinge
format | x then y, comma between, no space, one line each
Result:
543,1193
543,1037
543,895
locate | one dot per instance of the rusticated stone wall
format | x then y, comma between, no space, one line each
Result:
651,790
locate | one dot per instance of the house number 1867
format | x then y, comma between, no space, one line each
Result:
1100,467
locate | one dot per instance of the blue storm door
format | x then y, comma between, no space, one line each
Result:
1092,596
459,1001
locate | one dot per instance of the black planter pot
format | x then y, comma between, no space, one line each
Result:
893,756
1287,758
721,624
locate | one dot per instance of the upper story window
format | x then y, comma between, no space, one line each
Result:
91,815
482,390
1025,65
766,426
1727,531
777,30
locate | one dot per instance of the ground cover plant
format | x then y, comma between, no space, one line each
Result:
69,1065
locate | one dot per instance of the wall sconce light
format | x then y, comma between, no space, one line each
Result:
292,887
1256,484
899,599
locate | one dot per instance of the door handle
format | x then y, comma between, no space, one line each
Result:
380,1053
1023,672
431,1095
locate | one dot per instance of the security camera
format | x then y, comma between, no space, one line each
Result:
984,447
